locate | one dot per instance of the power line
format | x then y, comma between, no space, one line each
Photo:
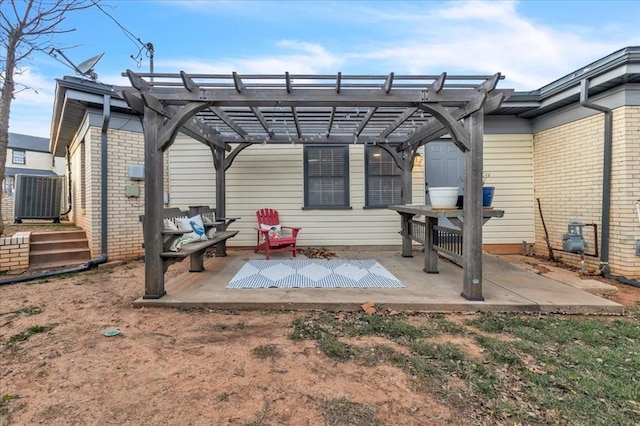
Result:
143,46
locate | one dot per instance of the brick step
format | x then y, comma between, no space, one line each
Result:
56,265
57,235
60,245
70,256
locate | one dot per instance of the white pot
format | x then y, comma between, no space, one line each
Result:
443,196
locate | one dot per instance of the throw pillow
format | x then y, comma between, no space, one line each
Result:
275,231
169,225
193,224
211,233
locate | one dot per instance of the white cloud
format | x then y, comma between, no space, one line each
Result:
295,57
484,38
32,87
426,37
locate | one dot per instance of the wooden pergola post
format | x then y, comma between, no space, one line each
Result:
153,204
473,221
221,193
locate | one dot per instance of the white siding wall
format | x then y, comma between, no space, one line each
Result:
272,176
38,160
509,160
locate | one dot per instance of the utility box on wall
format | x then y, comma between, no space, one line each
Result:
136,171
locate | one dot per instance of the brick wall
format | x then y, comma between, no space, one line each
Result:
7,208
568,163
124,228
14,252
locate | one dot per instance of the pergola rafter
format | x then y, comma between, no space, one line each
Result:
398,113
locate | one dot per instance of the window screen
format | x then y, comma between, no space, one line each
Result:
383,178
326,176
18,157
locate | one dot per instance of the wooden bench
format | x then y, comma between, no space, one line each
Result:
195,250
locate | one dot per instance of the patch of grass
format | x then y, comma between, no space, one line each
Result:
4,409
379,354
24,335
394,328
268,351
26,311
335,349
342,412
499,352
538,369
226,327
445,326
312,328
583,370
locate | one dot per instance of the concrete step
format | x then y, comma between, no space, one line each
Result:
58,249
70,256
56,265
58,235
39,246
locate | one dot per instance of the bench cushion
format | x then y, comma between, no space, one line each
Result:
194,247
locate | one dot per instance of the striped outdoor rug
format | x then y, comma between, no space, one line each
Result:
313,273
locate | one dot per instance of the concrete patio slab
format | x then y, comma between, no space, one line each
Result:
506,288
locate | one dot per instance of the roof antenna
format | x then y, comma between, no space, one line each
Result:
84,68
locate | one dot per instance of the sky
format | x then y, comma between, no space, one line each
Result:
532,43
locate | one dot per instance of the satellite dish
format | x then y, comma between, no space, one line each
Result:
86,68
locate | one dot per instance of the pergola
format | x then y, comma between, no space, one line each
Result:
230,112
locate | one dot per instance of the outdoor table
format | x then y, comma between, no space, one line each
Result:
430,234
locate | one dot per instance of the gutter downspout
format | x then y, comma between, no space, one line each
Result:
606,183
104,163
106,118
69,205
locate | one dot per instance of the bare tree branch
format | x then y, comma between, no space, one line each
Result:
26,26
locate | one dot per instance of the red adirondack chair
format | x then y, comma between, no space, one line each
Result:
270,236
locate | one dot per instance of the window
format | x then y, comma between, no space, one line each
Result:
18,157
383,178
9,185
326,176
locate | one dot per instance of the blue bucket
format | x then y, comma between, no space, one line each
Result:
487,195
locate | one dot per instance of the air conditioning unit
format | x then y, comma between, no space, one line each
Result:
37,197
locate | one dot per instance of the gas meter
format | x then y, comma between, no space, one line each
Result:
573,241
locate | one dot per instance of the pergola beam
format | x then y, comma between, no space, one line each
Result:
188,82
434,124
229,122
296,122
352,97
435,128
237,82
458,133
398,122
287,80
332,117
198,131
263,121
388,83
365,120
180,118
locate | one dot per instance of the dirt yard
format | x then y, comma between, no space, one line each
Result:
196,367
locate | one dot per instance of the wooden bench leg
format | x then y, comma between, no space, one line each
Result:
221,249
197,261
